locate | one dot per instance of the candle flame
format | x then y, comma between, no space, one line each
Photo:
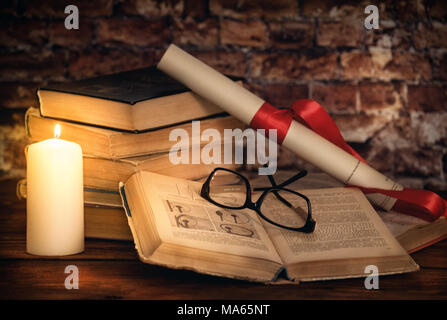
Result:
57,131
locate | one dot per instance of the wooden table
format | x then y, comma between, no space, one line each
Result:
111,270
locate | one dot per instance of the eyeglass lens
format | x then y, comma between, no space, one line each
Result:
280,206
228,189
285,208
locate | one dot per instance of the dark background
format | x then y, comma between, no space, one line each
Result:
385,88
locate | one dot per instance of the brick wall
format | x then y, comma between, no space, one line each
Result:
385,88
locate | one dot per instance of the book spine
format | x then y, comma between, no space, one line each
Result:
124,199
92,196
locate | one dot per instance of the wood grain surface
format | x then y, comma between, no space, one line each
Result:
111,270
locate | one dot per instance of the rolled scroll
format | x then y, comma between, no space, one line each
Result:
244,105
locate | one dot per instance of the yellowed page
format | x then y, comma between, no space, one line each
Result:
184,218
309,181
347,227
399,223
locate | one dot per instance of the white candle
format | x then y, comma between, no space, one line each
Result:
55,200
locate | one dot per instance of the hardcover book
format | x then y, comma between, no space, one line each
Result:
112,144
93,197
104,217
105,174
173,226
412,233
135,100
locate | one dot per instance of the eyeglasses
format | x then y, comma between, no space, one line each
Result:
277,205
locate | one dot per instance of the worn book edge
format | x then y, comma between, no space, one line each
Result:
159,262
392,264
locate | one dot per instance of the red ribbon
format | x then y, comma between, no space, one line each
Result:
423,204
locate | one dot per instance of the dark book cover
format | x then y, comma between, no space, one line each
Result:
128,87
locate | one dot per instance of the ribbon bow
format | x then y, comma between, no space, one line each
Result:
423,204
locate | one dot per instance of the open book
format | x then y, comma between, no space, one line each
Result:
412,233
174,227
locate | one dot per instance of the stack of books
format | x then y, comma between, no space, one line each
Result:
123,124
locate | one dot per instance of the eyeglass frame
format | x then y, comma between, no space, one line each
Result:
309,225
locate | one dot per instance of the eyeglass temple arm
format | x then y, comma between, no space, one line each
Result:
274,185
272,181
285,183
299,175
287,203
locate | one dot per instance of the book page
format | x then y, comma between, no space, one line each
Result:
309,181
183,217
399,223
347,227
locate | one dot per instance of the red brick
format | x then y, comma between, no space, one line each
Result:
196,8
9,7
434,35
359,128
410,182
408,66
437,9
427,98
152,8
418,162
190,32
380,96
437,184
81,37
385,65
291,34
23,34
389,36
18,94
344,9
378,157
281,95
229,63
439,64
410,10
335,98
105,61
256,8
301,65
55,8
346,33
133,31
33,66
358,65
249,33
